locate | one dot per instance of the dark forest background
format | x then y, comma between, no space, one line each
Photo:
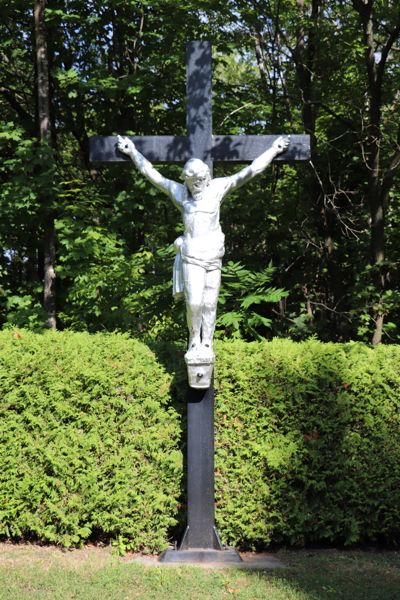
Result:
311,249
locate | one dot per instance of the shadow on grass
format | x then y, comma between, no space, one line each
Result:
338,574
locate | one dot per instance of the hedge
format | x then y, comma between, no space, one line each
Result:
93,431
89,446
308,442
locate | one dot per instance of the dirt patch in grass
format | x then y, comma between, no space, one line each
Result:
53,555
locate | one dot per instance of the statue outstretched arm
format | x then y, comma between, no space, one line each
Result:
257,166
169,187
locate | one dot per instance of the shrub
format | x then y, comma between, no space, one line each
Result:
308,442
89,444
92,427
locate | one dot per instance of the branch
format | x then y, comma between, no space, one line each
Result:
14,75
337,312
10,97
282,316
235,111
293,263
4,58
384,54
388,179
363,8
325,107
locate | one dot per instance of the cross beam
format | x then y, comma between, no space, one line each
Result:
177,149
200,143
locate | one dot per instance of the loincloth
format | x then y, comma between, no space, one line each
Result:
205,251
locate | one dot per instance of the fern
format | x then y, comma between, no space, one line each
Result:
240,290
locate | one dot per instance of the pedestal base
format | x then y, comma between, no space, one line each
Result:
230,555
200,370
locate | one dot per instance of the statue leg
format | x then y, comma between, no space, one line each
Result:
211,293
194,286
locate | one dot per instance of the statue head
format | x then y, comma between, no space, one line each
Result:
197,177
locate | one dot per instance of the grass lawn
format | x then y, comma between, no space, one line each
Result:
47,573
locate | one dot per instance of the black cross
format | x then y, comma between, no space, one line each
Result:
200,143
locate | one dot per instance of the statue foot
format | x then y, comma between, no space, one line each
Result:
206,347
194,347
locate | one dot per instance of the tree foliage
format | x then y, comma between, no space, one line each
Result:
325,233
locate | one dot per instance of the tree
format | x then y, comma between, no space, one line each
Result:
380,29
279,66
44,125
311,58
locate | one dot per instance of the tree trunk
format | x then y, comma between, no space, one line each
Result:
378,190
49,296
42,72
49,272
307,65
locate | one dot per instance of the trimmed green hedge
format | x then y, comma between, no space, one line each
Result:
308,442
92,429
88,443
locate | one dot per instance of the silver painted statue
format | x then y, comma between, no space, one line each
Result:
199,252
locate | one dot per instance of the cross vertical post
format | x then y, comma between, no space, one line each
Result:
200,531
199,101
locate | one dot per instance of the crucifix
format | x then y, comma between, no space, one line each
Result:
197,268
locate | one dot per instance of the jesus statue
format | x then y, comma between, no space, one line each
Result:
199,251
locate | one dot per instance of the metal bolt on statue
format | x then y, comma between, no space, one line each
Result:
199,252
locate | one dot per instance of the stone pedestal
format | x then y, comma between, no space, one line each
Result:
228,555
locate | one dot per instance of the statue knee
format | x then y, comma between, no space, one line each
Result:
194,305
196,308
210,306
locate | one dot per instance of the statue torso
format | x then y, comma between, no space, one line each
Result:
201,217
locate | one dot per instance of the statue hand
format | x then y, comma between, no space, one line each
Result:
281,144
125,145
